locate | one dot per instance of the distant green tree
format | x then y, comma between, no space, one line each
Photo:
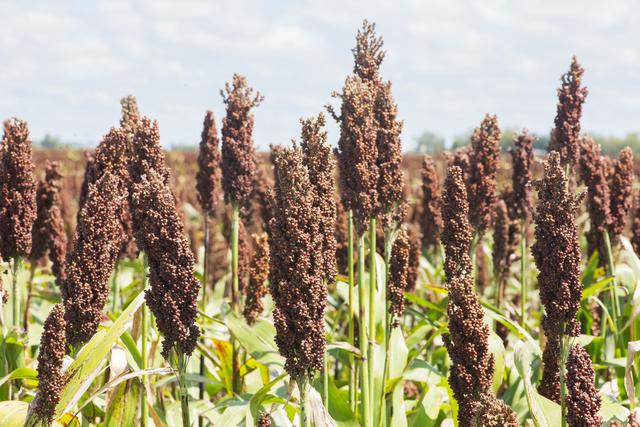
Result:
429,142
50,141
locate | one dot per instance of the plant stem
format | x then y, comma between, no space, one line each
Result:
16,294
364,370
305,420
184,394
325,381
388,234
523,275
372,311
235,297
203,303
144,409
25,319
352,373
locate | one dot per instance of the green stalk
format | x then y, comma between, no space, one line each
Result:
305,420
235,297
16,294
325,380
372,311
387,326
143,351
611,272
184,394
25,319
523,275
352,372
203,303
364,370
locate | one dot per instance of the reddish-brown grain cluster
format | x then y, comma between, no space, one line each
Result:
557,256
130,116
398,276
50,376
620,192
519,204
209,175
565,136
415,250
357,151
238,157
296,273
467,341
147,153
48,229
258,275
593,172
583,400
17,190
368,53
96,245
483,167
502,249
431,212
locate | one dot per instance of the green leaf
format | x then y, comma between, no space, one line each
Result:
496,347
20,374
92,357
13,413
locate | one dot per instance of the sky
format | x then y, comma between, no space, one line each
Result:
65,65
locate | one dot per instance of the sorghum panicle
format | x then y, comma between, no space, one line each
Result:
565,136
521,162
238,156
483,168
635,228
209,174
502,249
557,256
258,275
398,276
456,232
620,192
130,117
593,173
296,273
89,265
583,400
17,190
174,290
48,230
431,212
415,250
264,420
368,53
357,151
460,158
50,358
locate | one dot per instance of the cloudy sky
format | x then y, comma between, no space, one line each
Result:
65,65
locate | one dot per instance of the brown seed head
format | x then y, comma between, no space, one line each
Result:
398,276
431,218
89,265
174,289
565,136
415,250
593,172
502,250
557,256
460,158
209,174
17,190
50,376
48,230
583,400
130,114
296,273
238,157
258,275
357,151
635,228
368,53
522,162
390,175
147,153
483,167
620,190
264,420
456,233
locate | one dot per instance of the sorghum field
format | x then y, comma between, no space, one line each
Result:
314,286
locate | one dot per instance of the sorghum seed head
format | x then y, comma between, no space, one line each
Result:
565,136
357,151
620,191
50,358
456,232
89,265
17,190
483,168
431,216
502,249
398,272
460,158
415,250
522,162
264,420
147,155
209,174
583,400
368,53
238,156
258,275
130,114
174,289
296,273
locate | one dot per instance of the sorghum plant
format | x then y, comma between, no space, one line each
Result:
258,275
583,400
431,212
